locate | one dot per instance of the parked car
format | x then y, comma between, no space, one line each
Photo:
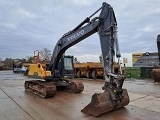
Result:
19,70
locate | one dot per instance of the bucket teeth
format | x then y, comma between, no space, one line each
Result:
102,103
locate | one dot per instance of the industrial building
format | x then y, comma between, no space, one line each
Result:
145,59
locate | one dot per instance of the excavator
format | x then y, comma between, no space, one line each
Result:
156,70
114,96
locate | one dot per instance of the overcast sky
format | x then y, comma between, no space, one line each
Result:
28,25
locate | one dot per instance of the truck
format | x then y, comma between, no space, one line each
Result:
89,70
92,70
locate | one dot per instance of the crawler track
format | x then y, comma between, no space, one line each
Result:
41,88
48,89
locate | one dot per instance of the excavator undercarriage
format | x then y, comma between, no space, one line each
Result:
48,89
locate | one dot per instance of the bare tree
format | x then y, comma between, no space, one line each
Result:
46,54
30,59
8,62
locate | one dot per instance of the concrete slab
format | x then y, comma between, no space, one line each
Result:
134,96
9,110
147,102
2,95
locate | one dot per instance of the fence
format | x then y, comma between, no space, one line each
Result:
135,72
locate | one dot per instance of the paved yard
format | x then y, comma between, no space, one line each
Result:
16,104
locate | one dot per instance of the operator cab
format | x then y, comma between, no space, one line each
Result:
66,69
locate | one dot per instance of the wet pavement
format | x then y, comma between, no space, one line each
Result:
16,104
